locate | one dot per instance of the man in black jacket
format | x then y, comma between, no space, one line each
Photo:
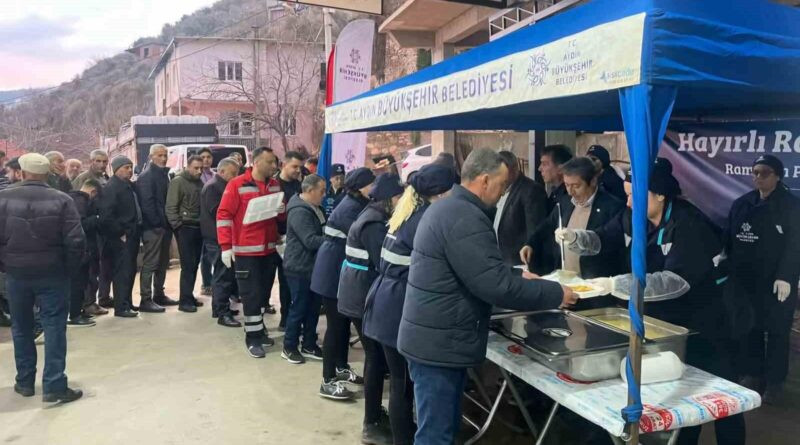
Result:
151,189
521,208
85,204
550,162
289,176
47,237
223,279
609,180
12,174
56,178
120,224
457,274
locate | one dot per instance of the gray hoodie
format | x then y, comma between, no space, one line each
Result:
303,237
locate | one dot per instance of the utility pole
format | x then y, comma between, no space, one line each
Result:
256,87
327,21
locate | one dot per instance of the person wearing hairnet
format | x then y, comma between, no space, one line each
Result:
763,251
683,286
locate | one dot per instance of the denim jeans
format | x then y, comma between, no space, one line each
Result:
303,314
438,392
206,266
51,294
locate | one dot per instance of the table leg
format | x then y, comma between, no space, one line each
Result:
616,440
673,438
520,402
547,423
492,412
479,385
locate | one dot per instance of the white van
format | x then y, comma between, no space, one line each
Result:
179,154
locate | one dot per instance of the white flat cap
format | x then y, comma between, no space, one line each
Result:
34,163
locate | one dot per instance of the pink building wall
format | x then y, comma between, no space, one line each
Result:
189,84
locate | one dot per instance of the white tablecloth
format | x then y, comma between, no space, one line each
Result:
697,398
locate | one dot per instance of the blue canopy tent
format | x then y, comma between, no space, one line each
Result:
606,65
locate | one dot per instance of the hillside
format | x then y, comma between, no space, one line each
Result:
71,117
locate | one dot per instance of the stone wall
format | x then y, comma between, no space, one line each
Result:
399,62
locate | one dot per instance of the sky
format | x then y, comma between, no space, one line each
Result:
46,42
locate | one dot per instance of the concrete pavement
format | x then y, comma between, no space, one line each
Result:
179,378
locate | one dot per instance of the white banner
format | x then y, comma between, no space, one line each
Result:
351,76
604,57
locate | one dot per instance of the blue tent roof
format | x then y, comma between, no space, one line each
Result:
727,57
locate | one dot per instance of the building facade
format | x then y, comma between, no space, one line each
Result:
257,91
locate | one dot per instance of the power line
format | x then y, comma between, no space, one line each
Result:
240,35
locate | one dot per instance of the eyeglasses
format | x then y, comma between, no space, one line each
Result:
765,173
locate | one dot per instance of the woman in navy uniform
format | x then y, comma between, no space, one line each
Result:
325,282
683,284
362,257
335,192
763,249
384,305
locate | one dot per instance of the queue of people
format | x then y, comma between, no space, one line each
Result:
416,268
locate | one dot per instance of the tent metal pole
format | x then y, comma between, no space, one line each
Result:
635,347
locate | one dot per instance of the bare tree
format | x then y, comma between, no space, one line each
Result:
283,91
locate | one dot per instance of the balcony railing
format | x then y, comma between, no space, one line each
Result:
524,14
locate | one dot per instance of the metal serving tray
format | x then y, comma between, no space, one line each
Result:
578,346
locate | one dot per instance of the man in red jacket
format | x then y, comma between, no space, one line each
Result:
252,245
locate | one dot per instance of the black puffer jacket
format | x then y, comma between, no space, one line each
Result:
457,273
90,220
151,188
119,209
40,231
303,237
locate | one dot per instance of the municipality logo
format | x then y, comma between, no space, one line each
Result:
537,70
618,76
355,56
746,227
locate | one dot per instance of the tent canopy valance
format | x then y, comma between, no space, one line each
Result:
606,65
727,57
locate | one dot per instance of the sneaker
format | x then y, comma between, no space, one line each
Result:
293,356
81,322
335,390
270,310
66,396
256,350
38,332
314,352
347,375
267,341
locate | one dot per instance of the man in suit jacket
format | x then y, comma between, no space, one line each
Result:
586,207
521,209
